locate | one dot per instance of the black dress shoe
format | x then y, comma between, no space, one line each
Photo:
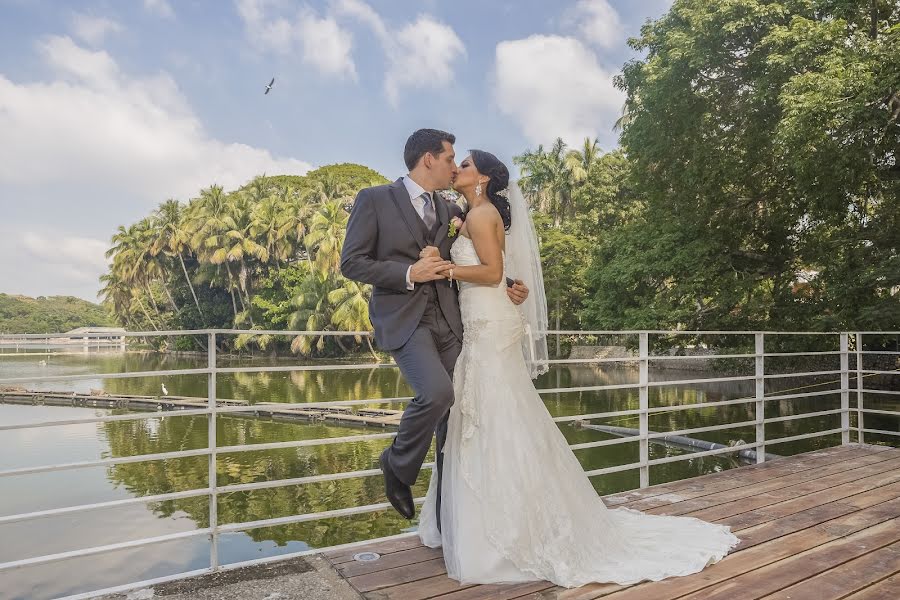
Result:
398,493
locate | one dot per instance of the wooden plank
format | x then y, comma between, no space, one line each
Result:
754,496
772,529
420,590
385,547
810,503
743,561
801,565
886,589
847,578
382,579
775,483
747,476
837,486
389,561
499,591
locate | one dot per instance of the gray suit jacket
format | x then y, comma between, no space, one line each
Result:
384,237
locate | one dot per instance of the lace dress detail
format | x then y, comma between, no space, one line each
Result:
516,503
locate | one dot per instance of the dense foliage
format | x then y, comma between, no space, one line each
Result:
264,256
757,185
49,314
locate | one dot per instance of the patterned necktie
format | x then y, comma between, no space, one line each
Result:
428,211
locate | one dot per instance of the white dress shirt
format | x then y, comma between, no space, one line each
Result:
415,197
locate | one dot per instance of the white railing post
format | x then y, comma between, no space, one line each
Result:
213,498
859,390
760,372
845,389
644,406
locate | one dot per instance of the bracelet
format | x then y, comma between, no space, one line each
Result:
451,277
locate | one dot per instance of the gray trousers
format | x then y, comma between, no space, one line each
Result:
426,362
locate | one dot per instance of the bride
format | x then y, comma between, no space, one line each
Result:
516,504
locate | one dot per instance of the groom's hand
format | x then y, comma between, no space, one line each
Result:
430,268
518,292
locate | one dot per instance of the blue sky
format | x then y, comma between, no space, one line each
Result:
108,108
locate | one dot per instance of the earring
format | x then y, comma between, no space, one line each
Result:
478,189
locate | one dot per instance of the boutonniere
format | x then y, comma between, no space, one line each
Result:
455,225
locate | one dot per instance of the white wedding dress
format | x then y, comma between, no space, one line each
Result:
516,503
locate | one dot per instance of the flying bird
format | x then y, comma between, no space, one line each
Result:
269,87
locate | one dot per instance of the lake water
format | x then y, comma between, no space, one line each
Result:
171,432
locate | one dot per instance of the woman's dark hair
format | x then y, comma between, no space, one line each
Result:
490,165
423,141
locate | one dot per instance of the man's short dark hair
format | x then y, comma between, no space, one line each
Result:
422,141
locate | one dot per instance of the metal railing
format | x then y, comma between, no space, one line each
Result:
643,412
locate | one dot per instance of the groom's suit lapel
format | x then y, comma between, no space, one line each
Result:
409,214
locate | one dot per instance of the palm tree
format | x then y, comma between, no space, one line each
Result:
172,238
296,210
313,312
579,161
547,180
326,235
266,227
350,303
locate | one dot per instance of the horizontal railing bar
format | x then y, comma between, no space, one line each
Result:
806,394
677,407
703,356
131,375
881,431
109,418
685,332
613,442
106,462
580,361
804,436
294,332
892,413
884,392
876,372
615,413
40,560
288,368
53,512
705,380
820,413
657,435
782,354
118,589
327,514
267,407
305,443
804,374
615,469
890,352
261,485
589,388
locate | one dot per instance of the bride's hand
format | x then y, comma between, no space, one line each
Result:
429,251
518,292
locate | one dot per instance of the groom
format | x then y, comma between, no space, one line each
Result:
414,309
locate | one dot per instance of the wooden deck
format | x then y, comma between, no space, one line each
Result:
823,525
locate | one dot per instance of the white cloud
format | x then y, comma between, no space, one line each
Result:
553,86
161,8
98,147
597,22
77,259
420,55
323,43
93,29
